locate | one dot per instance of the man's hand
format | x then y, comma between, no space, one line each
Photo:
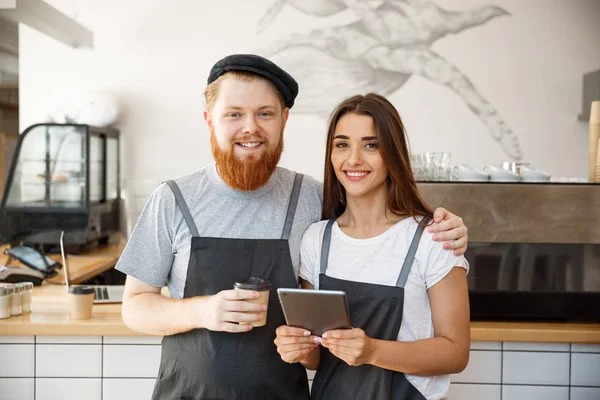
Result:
350,345
451,229
229,311
294,344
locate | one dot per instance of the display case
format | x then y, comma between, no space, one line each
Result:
64,177
8,145
534,248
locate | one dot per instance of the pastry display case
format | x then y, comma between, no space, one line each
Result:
63,177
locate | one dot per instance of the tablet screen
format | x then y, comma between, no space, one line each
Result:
33,258
318,311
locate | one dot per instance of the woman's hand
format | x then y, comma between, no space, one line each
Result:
450,228
350,345
294,344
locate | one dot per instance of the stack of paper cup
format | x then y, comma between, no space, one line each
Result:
598,163
594,147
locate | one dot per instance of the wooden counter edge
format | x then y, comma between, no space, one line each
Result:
535,332
480,331
74,329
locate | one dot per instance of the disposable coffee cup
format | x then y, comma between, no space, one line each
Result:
263,287
81,300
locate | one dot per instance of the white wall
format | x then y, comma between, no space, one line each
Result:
125,367
155,56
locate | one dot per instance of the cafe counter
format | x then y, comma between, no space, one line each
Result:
50,316
52,356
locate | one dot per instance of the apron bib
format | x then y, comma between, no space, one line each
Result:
376,309
202,364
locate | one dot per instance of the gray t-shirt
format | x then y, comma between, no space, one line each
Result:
158,250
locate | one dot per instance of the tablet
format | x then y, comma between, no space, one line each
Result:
315,310
33,259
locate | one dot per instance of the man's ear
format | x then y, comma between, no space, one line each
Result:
285,115
208,119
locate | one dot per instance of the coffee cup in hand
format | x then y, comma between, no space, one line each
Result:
263,287
81,300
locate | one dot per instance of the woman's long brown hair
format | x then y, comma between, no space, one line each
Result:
403,196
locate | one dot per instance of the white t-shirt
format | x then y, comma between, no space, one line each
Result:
378,260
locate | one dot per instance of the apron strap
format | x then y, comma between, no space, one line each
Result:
180,201
325,245
291,211
410,256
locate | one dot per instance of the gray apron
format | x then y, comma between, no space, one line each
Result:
376,309
202,364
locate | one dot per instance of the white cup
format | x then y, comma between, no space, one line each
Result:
465,172
500,174
534,174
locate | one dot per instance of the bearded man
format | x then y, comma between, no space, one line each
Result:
242,216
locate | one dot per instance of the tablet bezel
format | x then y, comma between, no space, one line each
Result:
318,311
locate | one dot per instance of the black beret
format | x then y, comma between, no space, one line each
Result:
283,81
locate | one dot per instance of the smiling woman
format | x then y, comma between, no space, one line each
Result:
367,155
410,319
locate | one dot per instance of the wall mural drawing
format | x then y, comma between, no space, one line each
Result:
390,42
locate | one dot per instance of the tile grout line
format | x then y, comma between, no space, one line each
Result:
34,366
570,361
475,383
102,369
501,369
92,377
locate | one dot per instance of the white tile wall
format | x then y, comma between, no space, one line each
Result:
461,391
127,389
579,393
132,339
17,360
585,348
69,339
535,392
484,367
536,346
136,361
16,389
585,369
536,368
16,339
129,364
68,389
486,345
69,361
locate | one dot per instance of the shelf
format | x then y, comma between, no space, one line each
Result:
55,203
44,18
513,183
80,182
9,107
80,161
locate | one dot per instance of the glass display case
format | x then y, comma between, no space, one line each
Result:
534,248
63,177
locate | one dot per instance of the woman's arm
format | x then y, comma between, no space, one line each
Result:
446,353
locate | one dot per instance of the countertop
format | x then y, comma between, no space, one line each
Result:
50,316
82,267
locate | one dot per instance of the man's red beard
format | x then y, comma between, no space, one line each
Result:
249,174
